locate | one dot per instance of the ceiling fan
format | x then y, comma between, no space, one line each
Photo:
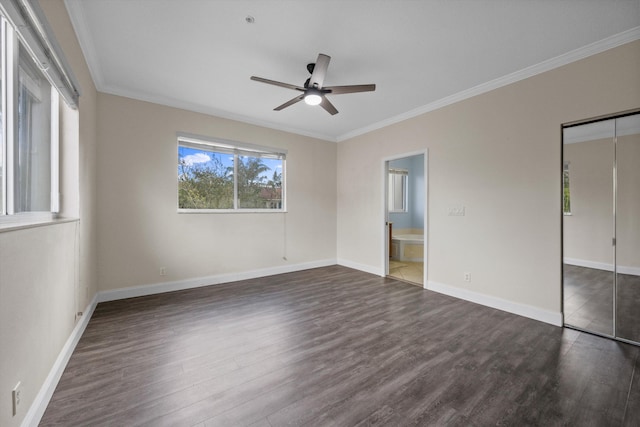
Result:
313,92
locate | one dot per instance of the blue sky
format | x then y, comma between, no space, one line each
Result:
192,156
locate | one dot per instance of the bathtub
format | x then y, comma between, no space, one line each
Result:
407,247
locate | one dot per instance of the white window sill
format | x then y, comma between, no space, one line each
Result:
21,222
230,211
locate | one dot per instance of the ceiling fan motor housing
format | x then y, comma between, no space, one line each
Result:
313,90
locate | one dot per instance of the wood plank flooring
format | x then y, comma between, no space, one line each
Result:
588,301
337,347
588,298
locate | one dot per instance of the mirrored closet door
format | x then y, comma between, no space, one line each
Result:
628,228
601,226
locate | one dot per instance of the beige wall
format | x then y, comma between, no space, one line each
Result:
498,154
589,228
48,273
80,145
140,230
628,202
37,308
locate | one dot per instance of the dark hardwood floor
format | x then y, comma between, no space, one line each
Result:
588,301
337,347
588,298
628,307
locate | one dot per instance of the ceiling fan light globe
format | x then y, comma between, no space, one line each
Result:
312,99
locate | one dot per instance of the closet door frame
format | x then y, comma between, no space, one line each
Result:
614,213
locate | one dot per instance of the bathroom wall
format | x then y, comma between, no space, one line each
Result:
413,220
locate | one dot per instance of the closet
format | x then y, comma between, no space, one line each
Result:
601,226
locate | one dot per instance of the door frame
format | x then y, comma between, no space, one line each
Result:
385,210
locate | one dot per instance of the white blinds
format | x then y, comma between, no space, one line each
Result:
30,24
230,147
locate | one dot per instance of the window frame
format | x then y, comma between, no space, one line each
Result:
566,188
237,149
11,44
393,174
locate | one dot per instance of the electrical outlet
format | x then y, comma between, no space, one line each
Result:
467,277
163,271
15,398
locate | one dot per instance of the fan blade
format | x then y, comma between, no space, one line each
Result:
289,103
337,90
328,106
275,83
319,71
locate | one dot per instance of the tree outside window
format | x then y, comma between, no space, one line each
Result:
225,178
566,190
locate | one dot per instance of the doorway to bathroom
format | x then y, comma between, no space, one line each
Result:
406,218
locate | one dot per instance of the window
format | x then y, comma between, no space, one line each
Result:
566,190
398,190
225,176
29,137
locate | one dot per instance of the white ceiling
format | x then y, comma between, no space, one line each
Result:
199,54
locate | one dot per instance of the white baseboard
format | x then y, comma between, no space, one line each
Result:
634,271
362,267
531,312
178,285
546,316
39,405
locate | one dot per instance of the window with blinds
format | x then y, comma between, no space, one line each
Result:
29,138
33,75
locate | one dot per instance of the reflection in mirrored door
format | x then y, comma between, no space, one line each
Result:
628,228
601,226
588,255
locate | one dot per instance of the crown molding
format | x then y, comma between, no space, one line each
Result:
83,35
222,114
600,46
78,21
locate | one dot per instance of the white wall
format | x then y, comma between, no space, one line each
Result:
497,154
139,229
48,273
